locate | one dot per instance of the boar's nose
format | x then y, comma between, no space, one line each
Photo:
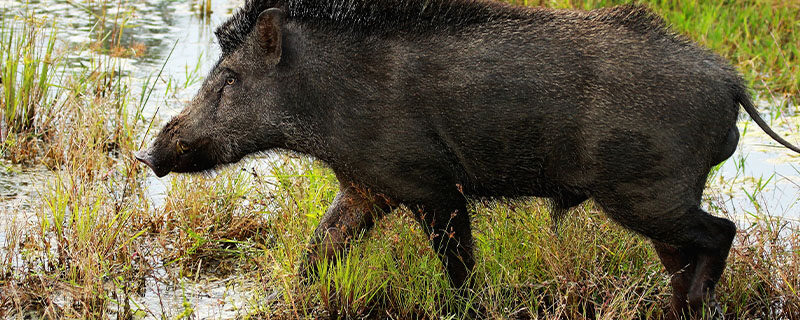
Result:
146,158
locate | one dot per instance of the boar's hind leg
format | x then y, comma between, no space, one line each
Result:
353,212
710,262
679,264
448,228
692,244
704,242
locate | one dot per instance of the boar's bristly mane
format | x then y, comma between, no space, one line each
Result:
371,17
235,30
367,16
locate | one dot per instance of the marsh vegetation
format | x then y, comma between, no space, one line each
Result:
86,232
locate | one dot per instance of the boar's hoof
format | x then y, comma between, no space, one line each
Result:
704,309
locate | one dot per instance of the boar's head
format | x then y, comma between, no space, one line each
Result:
235,112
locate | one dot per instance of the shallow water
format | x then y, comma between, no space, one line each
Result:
160,25
760,170
17,185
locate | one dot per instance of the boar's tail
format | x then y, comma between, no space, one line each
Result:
745,101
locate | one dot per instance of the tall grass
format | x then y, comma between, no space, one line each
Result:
27,67
80,244
594,269
77,123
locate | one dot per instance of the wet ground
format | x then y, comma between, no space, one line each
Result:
154,27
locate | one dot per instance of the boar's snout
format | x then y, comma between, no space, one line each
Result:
172,154
146,157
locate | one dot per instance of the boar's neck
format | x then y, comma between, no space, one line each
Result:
340,89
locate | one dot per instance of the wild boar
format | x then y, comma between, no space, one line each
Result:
427,103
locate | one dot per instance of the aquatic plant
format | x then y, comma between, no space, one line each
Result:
27,67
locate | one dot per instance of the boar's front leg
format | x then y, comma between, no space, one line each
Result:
352,213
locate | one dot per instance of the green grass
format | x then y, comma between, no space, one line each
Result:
595,268
96,240
27,67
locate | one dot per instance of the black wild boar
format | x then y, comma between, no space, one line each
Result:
421,103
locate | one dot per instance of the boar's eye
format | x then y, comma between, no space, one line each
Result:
230,81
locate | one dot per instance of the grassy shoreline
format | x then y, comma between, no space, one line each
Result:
97,241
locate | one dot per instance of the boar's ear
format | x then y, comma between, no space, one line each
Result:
268,29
